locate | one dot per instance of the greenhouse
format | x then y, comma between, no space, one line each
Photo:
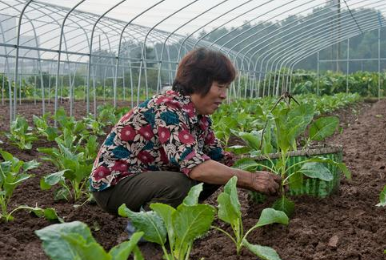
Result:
307,103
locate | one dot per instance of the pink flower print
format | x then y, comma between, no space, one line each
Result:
145,157
190,155
204,124
173,104
127,133
189,109
120,166
185,137
209,139
163,134
162,99
126,116
164,157
146,132
101,172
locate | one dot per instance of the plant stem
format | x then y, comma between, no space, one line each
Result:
226,233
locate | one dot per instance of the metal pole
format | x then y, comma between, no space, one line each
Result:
347,63
317,72
379,63
13,114
59,56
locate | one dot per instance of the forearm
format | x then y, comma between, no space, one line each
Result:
216,173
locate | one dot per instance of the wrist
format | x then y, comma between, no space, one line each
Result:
244,179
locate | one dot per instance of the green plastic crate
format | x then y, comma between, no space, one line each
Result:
310,186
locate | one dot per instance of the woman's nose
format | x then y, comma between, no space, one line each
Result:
223,93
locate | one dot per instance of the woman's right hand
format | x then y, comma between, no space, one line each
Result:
265,182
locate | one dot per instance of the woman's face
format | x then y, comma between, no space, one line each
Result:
212,100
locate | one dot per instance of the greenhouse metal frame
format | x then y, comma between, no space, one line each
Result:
65,42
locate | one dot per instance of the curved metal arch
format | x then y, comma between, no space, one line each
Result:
288,40
143,56
266,39
300,58
59,57
314,47
306,33
240,34
120,44
90,57
178,28
277,52
238,16
13,114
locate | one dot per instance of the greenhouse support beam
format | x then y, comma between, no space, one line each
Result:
13,113
90,58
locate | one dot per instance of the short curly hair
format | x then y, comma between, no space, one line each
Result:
199,68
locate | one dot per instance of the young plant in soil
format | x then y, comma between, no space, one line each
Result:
180,226
229,211
283,127
74,240
21,134
12,173
74,162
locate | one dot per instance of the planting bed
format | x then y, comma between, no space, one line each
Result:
346,225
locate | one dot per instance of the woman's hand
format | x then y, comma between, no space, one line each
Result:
265,182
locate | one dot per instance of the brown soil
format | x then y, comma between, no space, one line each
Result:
347,225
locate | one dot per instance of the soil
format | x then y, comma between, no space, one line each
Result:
347,225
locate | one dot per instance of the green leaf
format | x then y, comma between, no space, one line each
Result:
253,139
165,212
229,205
148,222
84,250
52,179
30,165
193,195
191,222
54,244
269,216
62,194
317,171
382,198
341,166
246,164
323,127
263,252
285,205
238,149
7,156
123,250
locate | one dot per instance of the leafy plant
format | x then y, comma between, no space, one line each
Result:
282,130
382,198
42,127
48,213
229,212
21,134
74,163
12,174
179,226
74,241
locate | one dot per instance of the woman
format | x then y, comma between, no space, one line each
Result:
166,145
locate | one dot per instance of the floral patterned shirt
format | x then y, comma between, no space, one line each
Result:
162,134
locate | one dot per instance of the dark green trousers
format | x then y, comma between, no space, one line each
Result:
145,188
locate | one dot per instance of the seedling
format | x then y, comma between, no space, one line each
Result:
74,240
21,134
229,212
179,226
13,172
280,134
